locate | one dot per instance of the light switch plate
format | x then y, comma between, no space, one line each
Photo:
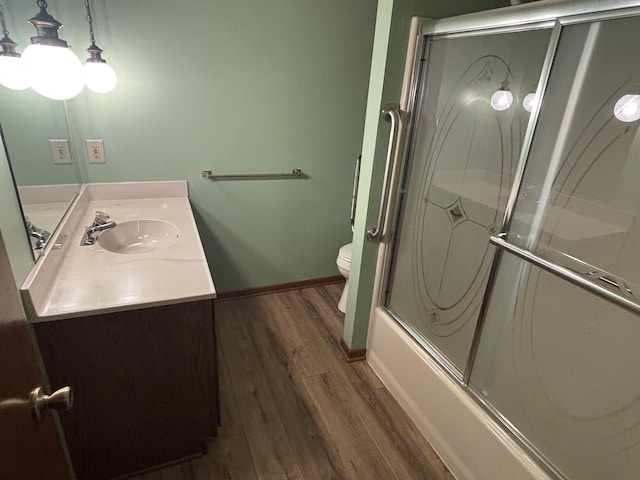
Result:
60,150
95,151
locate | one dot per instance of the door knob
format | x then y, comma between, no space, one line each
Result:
61,399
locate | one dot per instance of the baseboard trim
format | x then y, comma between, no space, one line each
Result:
352,355
281,287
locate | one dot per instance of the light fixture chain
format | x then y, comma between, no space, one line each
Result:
90,20
42,4
5,32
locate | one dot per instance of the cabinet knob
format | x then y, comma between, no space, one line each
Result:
61,399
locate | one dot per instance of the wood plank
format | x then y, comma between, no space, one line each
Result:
325,299
308,359
270,447
346,431
228,455
292,407
317,459
384,423
366,374
295,319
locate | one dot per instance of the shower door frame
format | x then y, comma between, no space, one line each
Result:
525,17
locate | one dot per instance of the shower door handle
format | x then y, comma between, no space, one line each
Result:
391,113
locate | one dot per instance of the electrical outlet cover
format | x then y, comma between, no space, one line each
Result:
60,150
95,151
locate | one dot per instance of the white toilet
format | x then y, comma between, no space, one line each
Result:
344,264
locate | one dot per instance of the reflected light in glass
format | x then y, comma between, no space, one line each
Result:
529,101
627,109
54,72
501,100
99,77
13,74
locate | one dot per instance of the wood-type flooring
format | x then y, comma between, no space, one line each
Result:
293,408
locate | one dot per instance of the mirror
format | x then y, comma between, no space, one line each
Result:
28,122
45,189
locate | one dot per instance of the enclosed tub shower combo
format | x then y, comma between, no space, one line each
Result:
506,318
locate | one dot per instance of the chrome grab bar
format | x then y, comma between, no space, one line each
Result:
624,300
295,173
354,196
390,113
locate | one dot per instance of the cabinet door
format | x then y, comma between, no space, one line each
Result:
145,385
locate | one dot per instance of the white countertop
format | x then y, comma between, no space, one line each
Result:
91,280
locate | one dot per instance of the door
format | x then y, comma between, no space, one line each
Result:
558,350
466,105
470,118
29,449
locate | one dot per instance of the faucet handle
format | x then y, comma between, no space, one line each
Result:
101,217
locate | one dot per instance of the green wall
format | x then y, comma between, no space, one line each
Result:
28,121
392,34
231,86
244,86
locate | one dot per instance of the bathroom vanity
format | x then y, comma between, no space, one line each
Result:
145,385
128,323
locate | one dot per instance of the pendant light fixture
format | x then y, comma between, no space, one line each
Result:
54,71
99,77
12,72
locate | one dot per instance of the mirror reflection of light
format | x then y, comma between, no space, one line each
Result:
529,101
627,109
13,75
501,100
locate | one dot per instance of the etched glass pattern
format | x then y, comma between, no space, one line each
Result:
463,156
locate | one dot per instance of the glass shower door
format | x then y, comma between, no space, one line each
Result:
468,128
559,355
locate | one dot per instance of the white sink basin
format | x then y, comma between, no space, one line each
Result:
139,236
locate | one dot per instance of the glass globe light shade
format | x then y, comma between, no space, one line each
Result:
99,77
54,72
501,100
13,74
529,101
627,109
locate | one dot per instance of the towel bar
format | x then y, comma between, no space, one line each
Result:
295,173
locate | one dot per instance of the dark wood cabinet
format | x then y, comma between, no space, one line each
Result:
145,384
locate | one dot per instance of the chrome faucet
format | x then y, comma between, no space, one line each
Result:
100,223
40,234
